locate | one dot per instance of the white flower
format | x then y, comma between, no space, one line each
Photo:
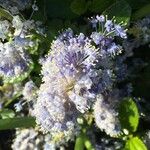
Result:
27,139
106,116
17,24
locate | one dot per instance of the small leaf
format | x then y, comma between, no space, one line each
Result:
78,6
129,115
135,144
121,10
79,144
18,122
7,113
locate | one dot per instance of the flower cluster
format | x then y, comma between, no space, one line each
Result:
14,62
76,72
15,39
56,115
105,32
106,117
27,139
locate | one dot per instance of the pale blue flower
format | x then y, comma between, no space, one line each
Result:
100,18
94,22
109,25
120,32
18,106
97,37
14,62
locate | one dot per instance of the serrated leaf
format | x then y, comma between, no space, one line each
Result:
7,113
79,144
17,122
135,144
121,10
129,115
78,6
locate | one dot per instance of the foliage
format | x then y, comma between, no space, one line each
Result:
129,115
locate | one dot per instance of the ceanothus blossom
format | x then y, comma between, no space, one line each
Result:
27,139
106,31
14,62
76,71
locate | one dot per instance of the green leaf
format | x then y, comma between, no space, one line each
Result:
135,144
88,144
7,113
129,115
79,144
18,122
142,12
78,6
121,10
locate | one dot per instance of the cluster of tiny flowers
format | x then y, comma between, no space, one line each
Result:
14,61
27,139
76,71
55,115
105,32
106,117
14,42
31,139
